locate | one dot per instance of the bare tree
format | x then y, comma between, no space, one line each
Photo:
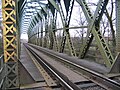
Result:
109,17
81,21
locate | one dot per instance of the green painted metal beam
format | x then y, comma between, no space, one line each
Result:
93,30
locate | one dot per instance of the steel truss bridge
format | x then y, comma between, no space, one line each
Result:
41,64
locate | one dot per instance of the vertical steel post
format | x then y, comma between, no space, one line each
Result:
38,35
51,34
41,37
118,25
54,31
10,35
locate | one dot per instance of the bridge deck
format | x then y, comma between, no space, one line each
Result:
29,65
40,81
71,75
82,62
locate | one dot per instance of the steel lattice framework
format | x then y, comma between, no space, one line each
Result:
48,13
10,43
38,19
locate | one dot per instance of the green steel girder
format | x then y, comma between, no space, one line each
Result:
61,14
68,17
93,30
58,9
51,8
39,16
25,7
41,38
64,23
45,10
33,21
34,34
86,10
32,24
89,18
55,19
21,8
54,4
67,4
38,35
54,31
66,35
21,4
116,65
51,40
55,41
36,19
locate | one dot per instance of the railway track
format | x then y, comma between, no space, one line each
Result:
64,81
99,81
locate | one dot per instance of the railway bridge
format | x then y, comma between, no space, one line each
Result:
60,45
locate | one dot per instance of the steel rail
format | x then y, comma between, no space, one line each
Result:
2,78
1,56
62,78
1,69
1,64
97,78
1,83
